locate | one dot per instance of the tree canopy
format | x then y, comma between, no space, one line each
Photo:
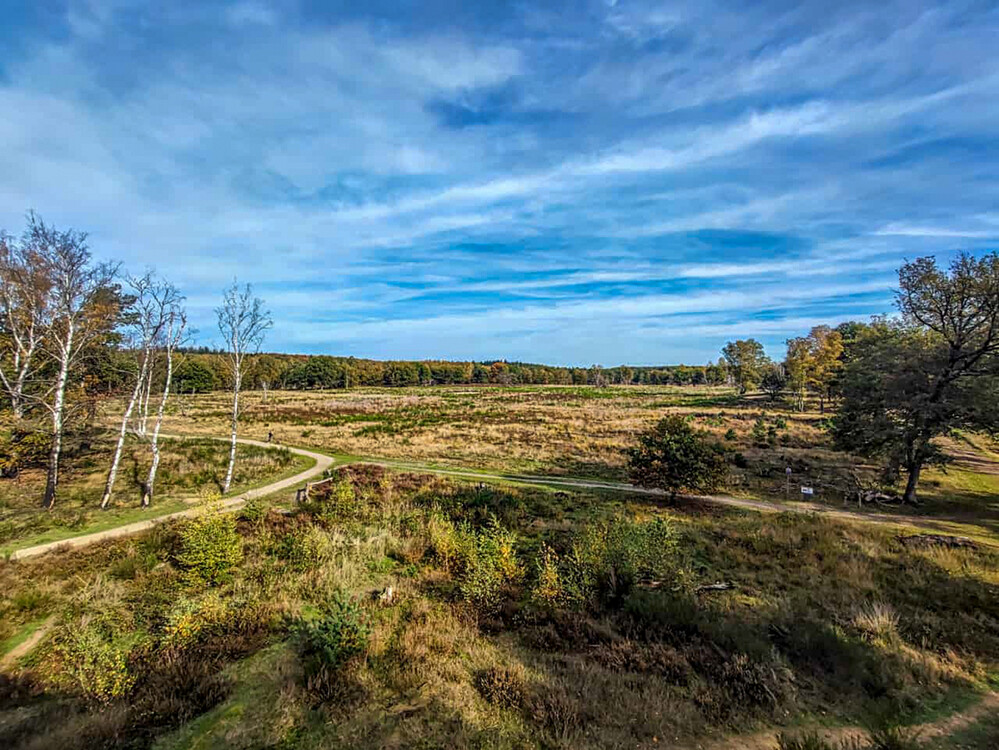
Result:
910,380
812,363
746,361
674,457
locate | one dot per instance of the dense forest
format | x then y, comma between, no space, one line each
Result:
203,370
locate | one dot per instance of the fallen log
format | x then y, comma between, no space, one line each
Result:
938,540
720,586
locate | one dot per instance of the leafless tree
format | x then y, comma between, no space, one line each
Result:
243,321
152,301
174,335
84,306
25,284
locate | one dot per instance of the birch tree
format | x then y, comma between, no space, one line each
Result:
152,301
84,307
144,396
243,321
24,316
173,336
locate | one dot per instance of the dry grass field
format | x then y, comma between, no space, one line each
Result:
581,431
502,618
532,429
401,609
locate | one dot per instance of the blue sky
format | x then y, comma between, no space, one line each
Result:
567,182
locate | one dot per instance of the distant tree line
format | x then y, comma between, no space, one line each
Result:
203,370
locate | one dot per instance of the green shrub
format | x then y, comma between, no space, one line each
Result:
759,433
482,560
188,618
605,562
95,663
451,544
210,547
21,450
336,638
253,511
673,457
337,502
491,563
547,591
308,549
730,434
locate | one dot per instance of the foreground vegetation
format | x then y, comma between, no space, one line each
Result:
400,609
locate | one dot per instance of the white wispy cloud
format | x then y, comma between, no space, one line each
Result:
625,166
913,230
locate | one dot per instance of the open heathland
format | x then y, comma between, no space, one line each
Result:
396,607
400,609
582,431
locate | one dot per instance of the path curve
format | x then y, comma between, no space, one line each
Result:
932,523
11,657
323,462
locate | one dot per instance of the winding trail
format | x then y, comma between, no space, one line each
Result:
10,658
934,523
931,735
323,462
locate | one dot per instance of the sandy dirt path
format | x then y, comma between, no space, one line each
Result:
323,462
928,523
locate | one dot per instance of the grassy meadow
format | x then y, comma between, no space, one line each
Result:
581,431
401,609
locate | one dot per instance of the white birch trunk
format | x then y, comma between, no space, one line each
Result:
147,493
59,401
23,354
16,402
122,431
235,420
146,391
